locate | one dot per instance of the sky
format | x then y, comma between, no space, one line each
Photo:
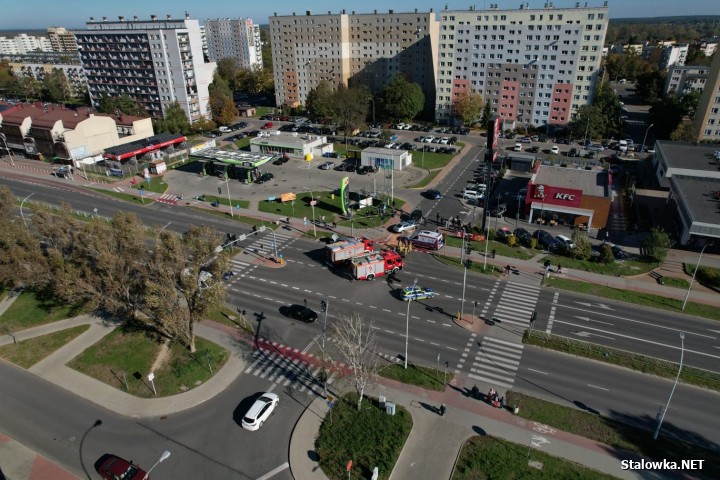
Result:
40,14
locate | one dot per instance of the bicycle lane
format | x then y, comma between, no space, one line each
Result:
19,462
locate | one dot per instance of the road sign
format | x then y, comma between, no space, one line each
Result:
313,202
349,466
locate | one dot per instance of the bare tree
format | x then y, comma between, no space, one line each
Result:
355,341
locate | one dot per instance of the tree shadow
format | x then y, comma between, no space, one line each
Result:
242,407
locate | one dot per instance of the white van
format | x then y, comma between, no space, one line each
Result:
623,145
224,129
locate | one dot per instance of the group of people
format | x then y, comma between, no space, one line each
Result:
495,400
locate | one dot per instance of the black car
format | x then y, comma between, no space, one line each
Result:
545,239
280,161
523,235
265,177
341,167
432,194
620,254
533,149
573,152
302,313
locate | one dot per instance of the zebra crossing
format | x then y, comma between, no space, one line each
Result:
263,245
517,304
496,362
288,371
167,198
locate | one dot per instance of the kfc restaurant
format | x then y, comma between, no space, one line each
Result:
568,196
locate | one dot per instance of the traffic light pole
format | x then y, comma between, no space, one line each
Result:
324,308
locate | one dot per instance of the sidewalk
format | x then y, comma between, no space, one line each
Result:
18,462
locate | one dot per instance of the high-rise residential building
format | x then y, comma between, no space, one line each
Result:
24,43
235,38
706,124
352,49
682,80
62,40
536,67
156,62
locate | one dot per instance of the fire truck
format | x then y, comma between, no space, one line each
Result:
343,250
376,264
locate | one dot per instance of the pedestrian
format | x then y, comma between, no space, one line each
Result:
437,218
219,190
493,253
559,270
442,410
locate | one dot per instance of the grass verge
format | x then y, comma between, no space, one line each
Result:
157,184
610,432
369,437
674,282
30,310
641,363
638,298
236,202
28,352
500,248
476,266
491,457
109,361
425,181
428,378
141,200
626,268
227,316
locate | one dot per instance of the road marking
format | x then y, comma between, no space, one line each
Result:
588,319
538,371
274,471
599,388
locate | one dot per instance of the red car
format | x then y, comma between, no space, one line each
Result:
267,125
112,467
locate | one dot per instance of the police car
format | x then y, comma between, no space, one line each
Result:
417,293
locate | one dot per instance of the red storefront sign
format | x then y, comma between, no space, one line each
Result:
548,194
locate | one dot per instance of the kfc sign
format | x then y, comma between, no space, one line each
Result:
555,195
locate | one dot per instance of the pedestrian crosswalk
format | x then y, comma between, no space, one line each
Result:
168,198
496,362
517,304
288,371
264,245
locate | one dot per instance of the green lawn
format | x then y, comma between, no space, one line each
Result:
260,111
708,276
427,378
30,310
157,184
425,181
674,282
431,161
236,202
370,438
134,352
626,268
615,434
477,266
243,143
227,316
141,200
638,298
27,353
500,248
494,458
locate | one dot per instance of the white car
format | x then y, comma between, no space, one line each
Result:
404,226
565,242
555,150
518,147
444,140
429,139
260,411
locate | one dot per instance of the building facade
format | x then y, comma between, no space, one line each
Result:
681,80
235,38
706,124
535,66
74,73
24,43
156,62
62,40
352,49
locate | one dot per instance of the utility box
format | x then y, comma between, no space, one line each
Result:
390,408
382,401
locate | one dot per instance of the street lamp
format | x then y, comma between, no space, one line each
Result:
162,458
312,207
324,307
407,323
687,295
517,214
466,263
23,216
227,187
373,106
277,260
2,136
662,416
645,137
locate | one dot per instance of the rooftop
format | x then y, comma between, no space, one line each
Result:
384,151
591,182
280,138
698,193
688,156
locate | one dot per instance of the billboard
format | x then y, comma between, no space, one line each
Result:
494,129
344,194
549,195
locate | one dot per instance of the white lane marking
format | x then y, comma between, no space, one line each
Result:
538,371
599,388
274,471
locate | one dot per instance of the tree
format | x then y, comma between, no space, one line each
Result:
355,341
222,107
403,100
320,100
9,84
468,106
606,254
689,102
666,115
227,69
30,88
174,121
123,104
55,87
684,132
186,282
657,244
255,81
350,108
486,115
220,86
650,85
583,248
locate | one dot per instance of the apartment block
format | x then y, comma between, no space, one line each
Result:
156,62
62,40
535,66
24,43
706,124
74,73
235,38
352,49
681,80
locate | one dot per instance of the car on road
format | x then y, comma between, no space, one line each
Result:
112,467
404,226
280,160
302,313
327,166
265,177
432,194
523,235
260,411
416,293
555,149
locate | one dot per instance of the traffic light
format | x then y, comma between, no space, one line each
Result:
468,249
234,238
254,229
227,238
468,263
533,318
323,306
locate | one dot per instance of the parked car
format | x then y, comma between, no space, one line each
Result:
404,226
265,177
472,195
416,293
365,169
327,166
596,147
267,125
523,235
573,152
555,150
280,160
260,411
565,242
620,254
533,149
112,467
544,239
503,233
302,313
518,147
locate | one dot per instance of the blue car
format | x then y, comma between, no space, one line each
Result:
417,293
433,195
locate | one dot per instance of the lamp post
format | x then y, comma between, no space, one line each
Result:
162,458
487,239
312,207
687,295
466,263
407,324
227,187
23,216
324,307
161,230
2,136
274,246
645,137
517,214
662,416
373,106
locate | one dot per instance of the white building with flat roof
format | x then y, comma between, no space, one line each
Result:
294,145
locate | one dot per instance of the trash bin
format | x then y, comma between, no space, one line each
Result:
516,409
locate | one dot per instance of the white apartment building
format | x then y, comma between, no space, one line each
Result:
235,38
62,40
352,49
706,124
673,55
535,66
681,80
74,73
24,43
156,62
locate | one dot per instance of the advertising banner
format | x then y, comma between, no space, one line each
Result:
567,197
344,194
